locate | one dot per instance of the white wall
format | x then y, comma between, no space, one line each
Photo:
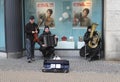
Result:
112,29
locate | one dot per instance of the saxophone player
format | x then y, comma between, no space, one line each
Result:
93,50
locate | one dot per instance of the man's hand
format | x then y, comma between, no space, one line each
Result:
44,45
36,31
56,36
33,32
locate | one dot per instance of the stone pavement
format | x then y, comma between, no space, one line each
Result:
18,70
32,76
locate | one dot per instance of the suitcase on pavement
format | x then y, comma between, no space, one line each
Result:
56,66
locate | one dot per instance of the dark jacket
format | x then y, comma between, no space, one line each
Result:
29,28
41,36
87,36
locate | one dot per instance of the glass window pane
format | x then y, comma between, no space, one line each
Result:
2,27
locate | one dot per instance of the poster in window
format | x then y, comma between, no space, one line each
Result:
45,14
82,12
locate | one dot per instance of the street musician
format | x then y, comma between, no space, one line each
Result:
92,43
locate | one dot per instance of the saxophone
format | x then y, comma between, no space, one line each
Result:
95,39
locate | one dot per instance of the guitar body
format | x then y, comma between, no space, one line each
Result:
36,39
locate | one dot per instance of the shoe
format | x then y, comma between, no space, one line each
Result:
29,61
53,55
33,59
89,59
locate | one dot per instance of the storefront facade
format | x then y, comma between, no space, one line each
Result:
12,37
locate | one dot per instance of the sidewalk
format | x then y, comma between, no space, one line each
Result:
32,76
18,70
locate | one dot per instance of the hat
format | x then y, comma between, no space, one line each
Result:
46,27
32,17
89,27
